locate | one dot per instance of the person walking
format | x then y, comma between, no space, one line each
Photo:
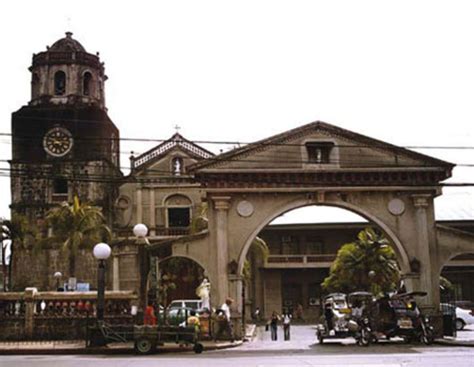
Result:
286,325
274,325
224,320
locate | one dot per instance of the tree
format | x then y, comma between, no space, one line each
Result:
77,225
16,230
367,264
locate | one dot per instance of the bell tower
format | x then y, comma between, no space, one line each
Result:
63,142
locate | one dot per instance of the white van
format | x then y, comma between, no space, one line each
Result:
194,304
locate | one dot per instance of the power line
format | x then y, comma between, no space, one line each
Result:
239,144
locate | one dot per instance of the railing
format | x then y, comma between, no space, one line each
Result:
58,315
299,260
159,231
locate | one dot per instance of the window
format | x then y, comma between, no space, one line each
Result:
60,83
60,189
60,186
87,84
319,152
289,245
178,217
314,246
178,210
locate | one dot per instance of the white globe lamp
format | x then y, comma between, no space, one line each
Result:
102,251
140,230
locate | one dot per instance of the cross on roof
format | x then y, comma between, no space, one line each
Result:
177,128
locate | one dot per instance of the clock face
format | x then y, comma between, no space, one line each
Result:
57,142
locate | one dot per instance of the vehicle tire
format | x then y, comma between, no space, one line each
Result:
365,336
460,324
144,346
198,348
427,338
320,338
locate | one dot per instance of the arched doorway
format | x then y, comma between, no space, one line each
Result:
459,272
301,246
178,279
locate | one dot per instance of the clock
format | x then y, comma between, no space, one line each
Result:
57,142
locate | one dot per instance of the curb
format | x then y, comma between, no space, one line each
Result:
110,351
454,343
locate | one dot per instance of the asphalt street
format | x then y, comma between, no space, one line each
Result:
301,350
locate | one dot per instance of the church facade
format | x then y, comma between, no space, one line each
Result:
209,208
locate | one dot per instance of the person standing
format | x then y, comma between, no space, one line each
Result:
286,325
224,320
274,325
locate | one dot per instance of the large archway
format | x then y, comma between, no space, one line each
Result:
400,250
301,246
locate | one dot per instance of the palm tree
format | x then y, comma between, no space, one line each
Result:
367,264
77,225
16,231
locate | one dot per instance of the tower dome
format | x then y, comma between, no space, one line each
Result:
67,44
67,74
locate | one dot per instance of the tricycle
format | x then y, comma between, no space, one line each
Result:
337,321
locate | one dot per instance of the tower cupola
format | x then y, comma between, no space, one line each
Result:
67,74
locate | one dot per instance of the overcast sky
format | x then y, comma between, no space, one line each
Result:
398,71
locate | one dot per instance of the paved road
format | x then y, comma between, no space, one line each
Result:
301,350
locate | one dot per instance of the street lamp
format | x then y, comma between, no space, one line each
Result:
57,275
140,231
101,252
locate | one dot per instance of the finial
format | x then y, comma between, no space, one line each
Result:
68,34
177,128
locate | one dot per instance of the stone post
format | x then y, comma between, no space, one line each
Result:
152,212
426,252
221,246
30,304
139,214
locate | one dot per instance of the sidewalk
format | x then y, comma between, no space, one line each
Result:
464,338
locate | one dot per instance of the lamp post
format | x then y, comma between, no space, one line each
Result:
140,231
101,252
57,275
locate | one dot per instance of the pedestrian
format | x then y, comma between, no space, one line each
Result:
149,318
286,325
274,325
194,321
256,314
224,321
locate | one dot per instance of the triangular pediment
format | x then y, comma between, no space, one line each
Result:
158,160
294,150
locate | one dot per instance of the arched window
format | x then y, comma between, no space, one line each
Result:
87,84
178,211
59,83
35,84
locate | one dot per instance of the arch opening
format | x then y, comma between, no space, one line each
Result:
302,242
87,84
59,83
179,278
456,284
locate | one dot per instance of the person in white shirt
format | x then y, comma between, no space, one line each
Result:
224,321
286,325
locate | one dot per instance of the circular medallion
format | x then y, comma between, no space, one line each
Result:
57,142
245,208
396,206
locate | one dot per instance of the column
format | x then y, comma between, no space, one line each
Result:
221,206
425,250
115,273
152,212
139,214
